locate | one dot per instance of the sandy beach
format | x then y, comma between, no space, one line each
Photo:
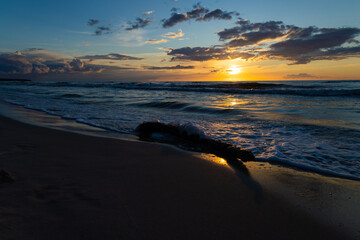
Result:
72,186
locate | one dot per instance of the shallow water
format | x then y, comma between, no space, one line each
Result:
314,125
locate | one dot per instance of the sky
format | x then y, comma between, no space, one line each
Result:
180,40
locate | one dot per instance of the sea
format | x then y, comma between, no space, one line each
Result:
310,125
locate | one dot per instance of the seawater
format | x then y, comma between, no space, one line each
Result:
313,125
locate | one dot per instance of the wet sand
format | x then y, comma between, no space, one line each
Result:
72,186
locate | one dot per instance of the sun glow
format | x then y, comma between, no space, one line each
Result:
234,70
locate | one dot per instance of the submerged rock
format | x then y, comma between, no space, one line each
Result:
195,141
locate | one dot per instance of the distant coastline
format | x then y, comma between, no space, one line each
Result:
14,80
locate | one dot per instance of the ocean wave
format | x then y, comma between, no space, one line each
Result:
71,95
210,110
187,107
321,89
171,105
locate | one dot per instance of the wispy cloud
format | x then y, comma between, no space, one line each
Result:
154,41
110,56
139,23
34,49
81,32
173,35
301,76
92,22
135,38
169,68
102,30
148,12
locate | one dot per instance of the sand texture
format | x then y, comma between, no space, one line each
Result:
72,186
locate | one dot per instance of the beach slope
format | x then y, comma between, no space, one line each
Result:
72,186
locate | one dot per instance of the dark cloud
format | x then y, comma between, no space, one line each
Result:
199,13
251,33
92,22
217,14
170,68
139,23
110,56
71,66
175,9
20,63
253,38
174,19
33,49
315,44
292,43
206,54
102,30
300,76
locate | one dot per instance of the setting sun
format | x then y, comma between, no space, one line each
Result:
234,70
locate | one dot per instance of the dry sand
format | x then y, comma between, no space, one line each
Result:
71,186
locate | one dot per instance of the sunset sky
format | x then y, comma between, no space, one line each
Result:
180,40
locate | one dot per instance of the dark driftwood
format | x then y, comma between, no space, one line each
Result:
221,149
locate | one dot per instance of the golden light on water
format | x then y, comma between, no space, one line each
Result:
234,70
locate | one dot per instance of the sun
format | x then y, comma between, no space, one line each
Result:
234,70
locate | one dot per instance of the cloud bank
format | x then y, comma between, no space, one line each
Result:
274,40
169,68
110,56
30,63
301,76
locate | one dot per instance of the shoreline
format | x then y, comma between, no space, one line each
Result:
44,119
262,190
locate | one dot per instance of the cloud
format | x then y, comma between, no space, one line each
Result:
217,14
102,30
110,56
252,33
134,38
92,22
169,68
300,76
139,23
19,63
173,35
33,49
28,63
206,54
199,13
148,12
176,18
315,44
154,41
81,32
276,40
